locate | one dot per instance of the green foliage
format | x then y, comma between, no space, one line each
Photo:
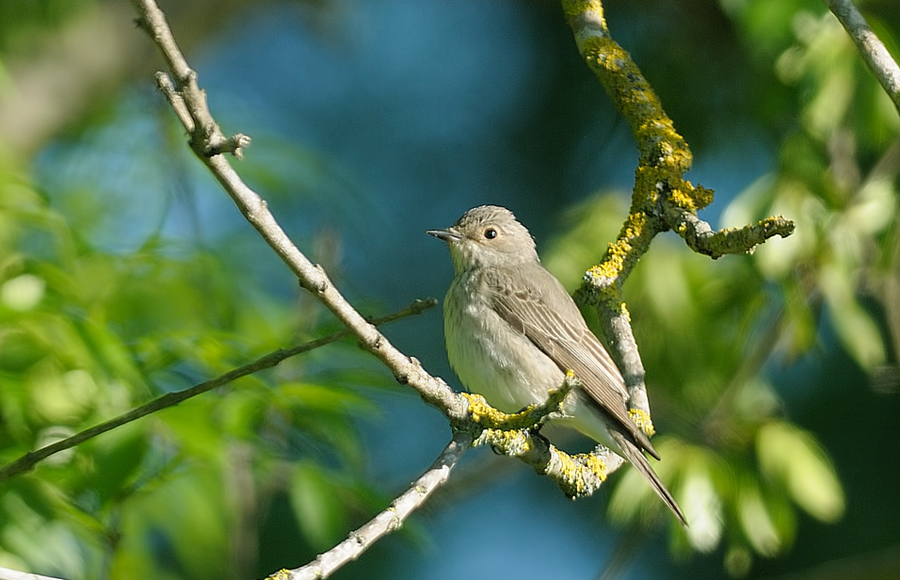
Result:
741,470
86,335
830,180
793,460
100,312
20,22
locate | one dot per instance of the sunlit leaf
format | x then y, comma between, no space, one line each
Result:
756,521
793,199
858,332
793,458
702,504
23,292
873,207
316,504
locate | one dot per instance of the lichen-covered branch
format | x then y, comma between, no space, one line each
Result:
512,434
701,238
530,417
632,95
870,47
662,199
515,434
576,476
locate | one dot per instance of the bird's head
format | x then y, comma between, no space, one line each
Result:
487,236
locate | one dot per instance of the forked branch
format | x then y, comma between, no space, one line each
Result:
662,199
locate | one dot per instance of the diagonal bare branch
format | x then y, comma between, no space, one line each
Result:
207,139
387,521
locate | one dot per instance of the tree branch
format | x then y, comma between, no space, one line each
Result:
661,199
206,139
872,50
515,435
29,460
702,239
387,521
511,434
577,475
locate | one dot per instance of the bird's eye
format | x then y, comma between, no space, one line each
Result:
490,233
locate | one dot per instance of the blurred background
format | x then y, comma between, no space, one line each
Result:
125,273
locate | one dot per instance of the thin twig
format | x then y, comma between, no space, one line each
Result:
29,460
387,521
870,47
701,238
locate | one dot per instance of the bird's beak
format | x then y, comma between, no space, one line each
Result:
449,235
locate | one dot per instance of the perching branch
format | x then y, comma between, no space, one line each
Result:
870,47
661,200
29,460
515,434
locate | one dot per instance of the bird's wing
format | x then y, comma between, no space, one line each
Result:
552,321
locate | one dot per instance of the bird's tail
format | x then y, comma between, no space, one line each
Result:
636,457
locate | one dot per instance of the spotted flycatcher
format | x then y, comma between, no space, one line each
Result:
512,332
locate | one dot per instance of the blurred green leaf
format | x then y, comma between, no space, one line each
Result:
856,329
589,227
792,458
800,328
326,398
242,412
755,519
316,500
792,198
114,463
22,293
176,525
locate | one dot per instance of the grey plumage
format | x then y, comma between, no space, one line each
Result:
512,331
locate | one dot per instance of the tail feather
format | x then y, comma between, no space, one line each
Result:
636,457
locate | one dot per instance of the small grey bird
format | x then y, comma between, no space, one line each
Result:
512,331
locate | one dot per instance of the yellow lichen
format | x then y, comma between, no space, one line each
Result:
642,419
478,406
575,8
485,415
575,472
682,198
510,442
